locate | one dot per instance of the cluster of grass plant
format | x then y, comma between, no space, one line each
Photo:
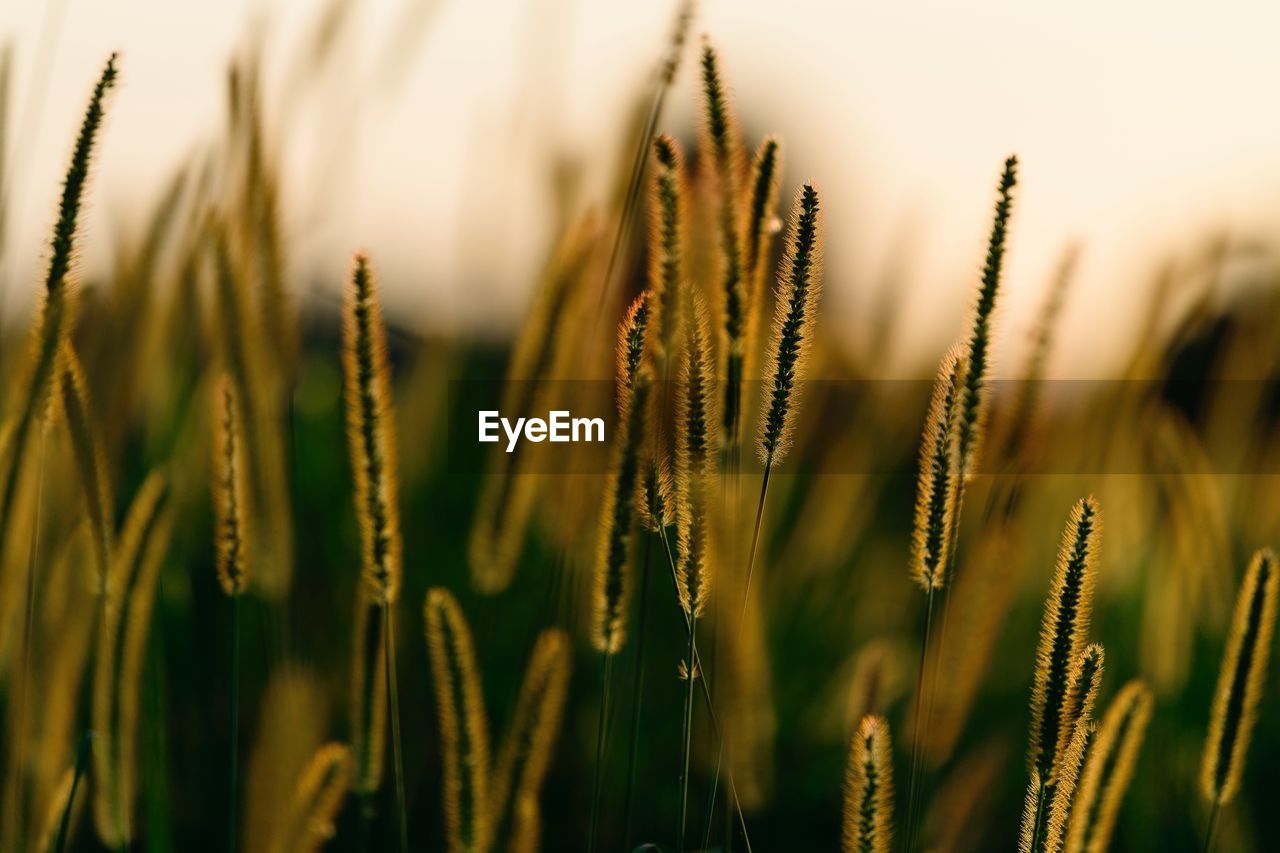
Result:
748,645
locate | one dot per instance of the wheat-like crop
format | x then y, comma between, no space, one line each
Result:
464,731
868,789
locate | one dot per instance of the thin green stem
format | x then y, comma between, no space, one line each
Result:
688,734
235,721
706,696
637,693
755,541
1213,820
393,698
601,726
82,759
912,790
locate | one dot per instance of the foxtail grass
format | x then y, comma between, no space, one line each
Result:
526,752
868,789
611,594
118,664
973,410
1063,632
720,146
370,430
760,226
372,442
229,501
1061,666
695,458
51,326
1113,753
1088,677
667,223
1240,683
1030,813
464,733
230,491
316,802
799,286
931,541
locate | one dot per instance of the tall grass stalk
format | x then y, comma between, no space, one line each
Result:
666,75
1240,683
931,540
372,440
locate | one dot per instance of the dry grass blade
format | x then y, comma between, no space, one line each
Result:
868,796
464,732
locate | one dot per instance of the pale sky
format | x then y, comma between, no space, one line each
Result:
1139,126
